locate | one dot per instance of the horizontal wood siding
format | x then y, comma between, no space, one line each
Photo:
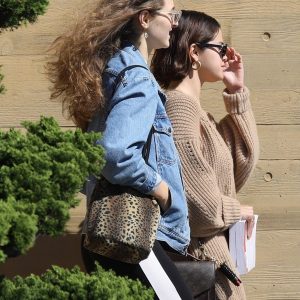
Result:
267,34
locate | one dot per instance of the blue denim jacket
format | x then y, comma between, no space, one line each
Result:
135,105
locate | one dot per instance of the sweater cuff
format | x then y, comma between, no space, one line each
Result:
237,103
231,210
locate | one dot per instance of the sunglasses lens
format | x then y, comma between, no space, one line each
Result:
174,15
223,50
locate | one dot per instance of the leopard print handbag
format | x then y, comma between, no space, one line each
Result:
121,222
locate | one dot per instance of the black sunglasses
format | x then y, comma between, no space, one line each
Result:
222,47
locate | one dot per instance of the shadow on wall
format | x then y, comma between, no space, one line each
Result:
63,251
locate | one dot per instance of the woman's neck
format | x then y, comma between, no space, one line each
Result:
190,85
144,49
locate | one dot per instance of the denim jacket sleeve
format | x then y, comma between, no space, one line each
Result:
131,113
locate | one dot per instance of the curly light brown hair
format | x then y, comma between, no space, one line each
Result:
81,54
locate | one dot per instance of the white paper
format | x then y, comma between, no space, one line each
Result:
159,280
243,250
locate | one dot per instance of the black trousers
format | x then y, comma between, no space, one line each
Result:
134,271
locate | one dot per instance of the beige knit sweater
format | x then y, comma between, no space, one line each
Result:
217,159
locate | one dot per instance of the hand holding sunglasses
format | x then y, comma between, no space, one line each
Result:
234,71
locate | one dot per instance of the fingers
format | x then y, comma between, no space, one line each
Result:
246,212
233,55
238,57
250,226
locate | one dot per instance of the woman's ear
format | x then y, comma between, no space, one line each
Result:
144,19
194,53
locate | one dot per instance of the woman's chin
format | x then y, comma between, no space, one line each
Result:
167,44
220,77
163,45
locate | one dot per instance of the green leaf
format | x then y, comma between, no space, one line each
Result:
59,283
42,170
14,13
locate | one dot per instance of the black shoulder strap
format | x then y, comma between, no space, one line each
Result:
146,149
122,73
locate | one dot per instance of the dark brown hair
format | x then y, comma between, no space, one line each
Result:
80,55
174,63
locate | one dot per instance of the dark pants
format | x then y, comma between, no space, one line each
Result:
134,271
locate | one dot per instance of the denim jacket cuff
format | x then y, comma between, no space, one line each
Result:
152,182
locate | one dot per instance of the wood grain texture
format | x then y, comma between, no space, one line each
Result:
273,106
35,39
279,142
275,199
275,212
28,95
272,71
243,9
243,23
266,33
77,215
276,275
274,177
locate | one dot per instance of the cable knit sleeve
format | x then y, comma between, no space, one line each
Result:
239,131
209,210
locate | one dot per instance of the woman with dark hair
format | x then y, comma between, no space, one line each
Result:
217,157
101,74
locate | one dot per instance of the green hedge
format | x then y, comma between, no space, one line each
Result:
63,284
41,172
14,13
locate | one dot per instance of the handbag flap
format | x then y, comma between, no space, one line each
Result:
199,276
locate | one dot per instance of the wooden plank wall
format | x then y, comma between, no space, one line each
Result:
267,34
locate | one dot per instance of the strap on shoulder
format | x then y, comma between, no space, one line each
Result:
122,73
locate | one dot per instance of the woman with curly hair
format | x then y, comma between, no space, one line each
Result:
217,157
116,38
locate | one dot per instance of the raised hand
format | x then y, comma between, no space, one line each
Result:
234,71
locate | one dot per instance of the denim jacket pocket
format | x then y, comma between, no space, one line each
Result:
163,135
